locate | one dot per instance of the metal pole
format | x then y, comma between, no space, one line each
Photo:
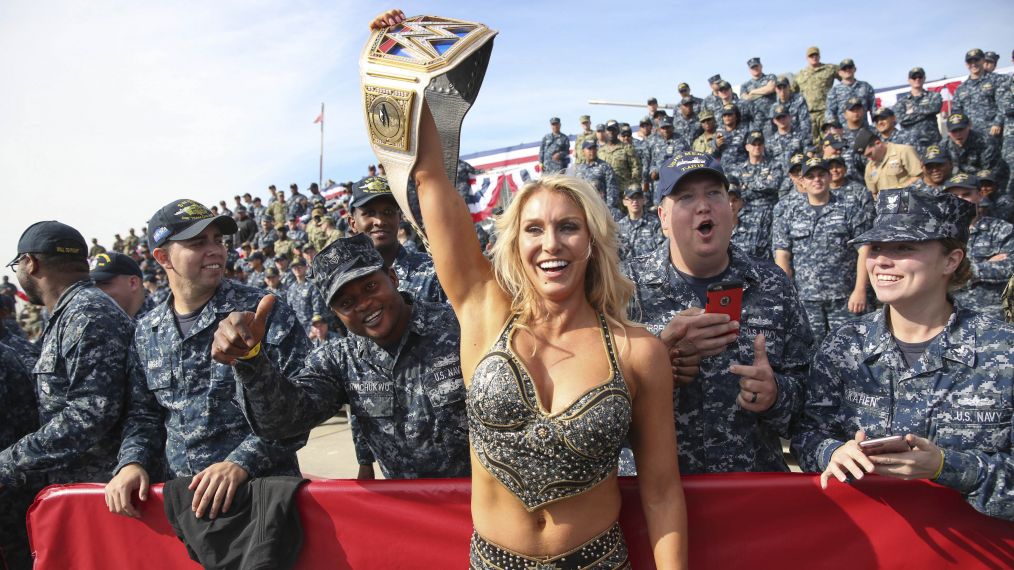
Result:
320,171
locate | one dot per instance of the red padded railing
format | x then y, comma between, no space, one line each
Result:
776,521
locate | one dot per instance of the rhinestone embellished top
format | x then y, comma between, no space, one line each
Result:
542,457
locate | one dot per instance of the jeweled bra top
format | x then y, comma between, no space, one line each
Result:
542,457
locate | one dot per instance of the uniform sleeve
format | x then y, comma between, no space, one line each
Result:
997,271
95,353
780,232
612,187
790,373
144,433
364,455
830,107
818,432
635,165
278,404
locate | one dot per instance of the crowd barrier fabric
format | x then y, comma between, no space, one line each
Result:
760,521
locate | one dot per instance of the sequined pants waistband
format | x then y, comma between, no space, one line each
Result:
607,551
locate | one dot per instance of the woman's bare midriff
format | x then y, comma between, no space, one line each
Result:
558,527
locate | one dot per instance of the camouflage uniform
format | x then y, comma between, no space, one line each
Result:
714,104
306,302
686,129
1008,300
255,278
823,263
1007,146
840,93
759,185
585,136
297,206
760,106
18,416
814,85
130,244
316,234
81,381
988,237
552,144
705,142
733,151
644,156
800,111
277,210
781,147
27,351
715,434
602,176
418,276
185,404
409,403
639,237
957,395
625,162
979,100
662,149
979,152
918,116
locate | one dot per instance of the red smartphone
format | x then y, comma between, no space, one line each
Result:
725,297
889,444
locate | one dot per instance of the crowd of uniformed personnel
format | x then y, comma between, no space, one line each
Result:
143,382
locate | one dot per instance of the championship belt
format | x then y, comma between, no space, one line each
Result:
425,58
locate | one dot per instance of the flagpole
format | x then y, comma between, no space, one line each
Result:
320,172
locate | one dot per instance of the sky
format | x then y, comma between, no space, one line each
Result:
111,109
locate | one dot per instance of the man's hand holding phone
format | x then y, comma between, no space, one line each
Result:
710,333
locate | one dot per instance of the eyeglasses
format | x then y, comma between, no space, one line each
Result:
16,261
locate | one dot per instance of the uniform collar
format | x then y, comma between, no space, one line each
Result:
67,295
956,343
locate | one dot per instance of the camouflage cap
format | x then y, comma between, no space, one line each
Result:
688,101
682,164
299,262
633,191
584,119
962,180
554,120
683,87
974,54
369,188
934,155
985,175
814,164
723,84
714,79
991,56
882,113
916,72
957,121
591,143
600,127
833,123
705,115
782,81
846,63
853,102
779,110
753,61
342,261
907,214
812,50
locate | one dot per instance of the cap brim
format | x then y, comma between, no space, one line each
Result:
887,234
369,197
346,278
225,223
100,276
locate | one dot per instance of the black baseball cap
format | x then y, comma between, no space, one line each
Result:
755,137
957,121
975,53
183,219
753,61
105,266
589,144
864,138
916,72
51,237
814,164
714,79
369,188
554,120
883,112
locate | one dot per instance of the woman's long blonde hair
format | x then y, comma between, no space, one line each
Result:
607,289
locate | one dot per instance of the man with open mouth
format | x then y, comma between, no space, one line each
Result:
750,385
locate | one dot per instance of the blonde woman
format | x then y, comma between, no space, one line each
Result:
557,376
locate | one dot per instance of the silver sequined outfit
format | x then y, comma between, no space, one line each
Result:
542,457
607,551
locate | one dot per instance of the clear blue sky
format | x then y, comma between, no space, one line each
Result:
111,109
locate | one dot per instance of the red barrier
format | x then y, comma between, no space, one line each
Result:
736,520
